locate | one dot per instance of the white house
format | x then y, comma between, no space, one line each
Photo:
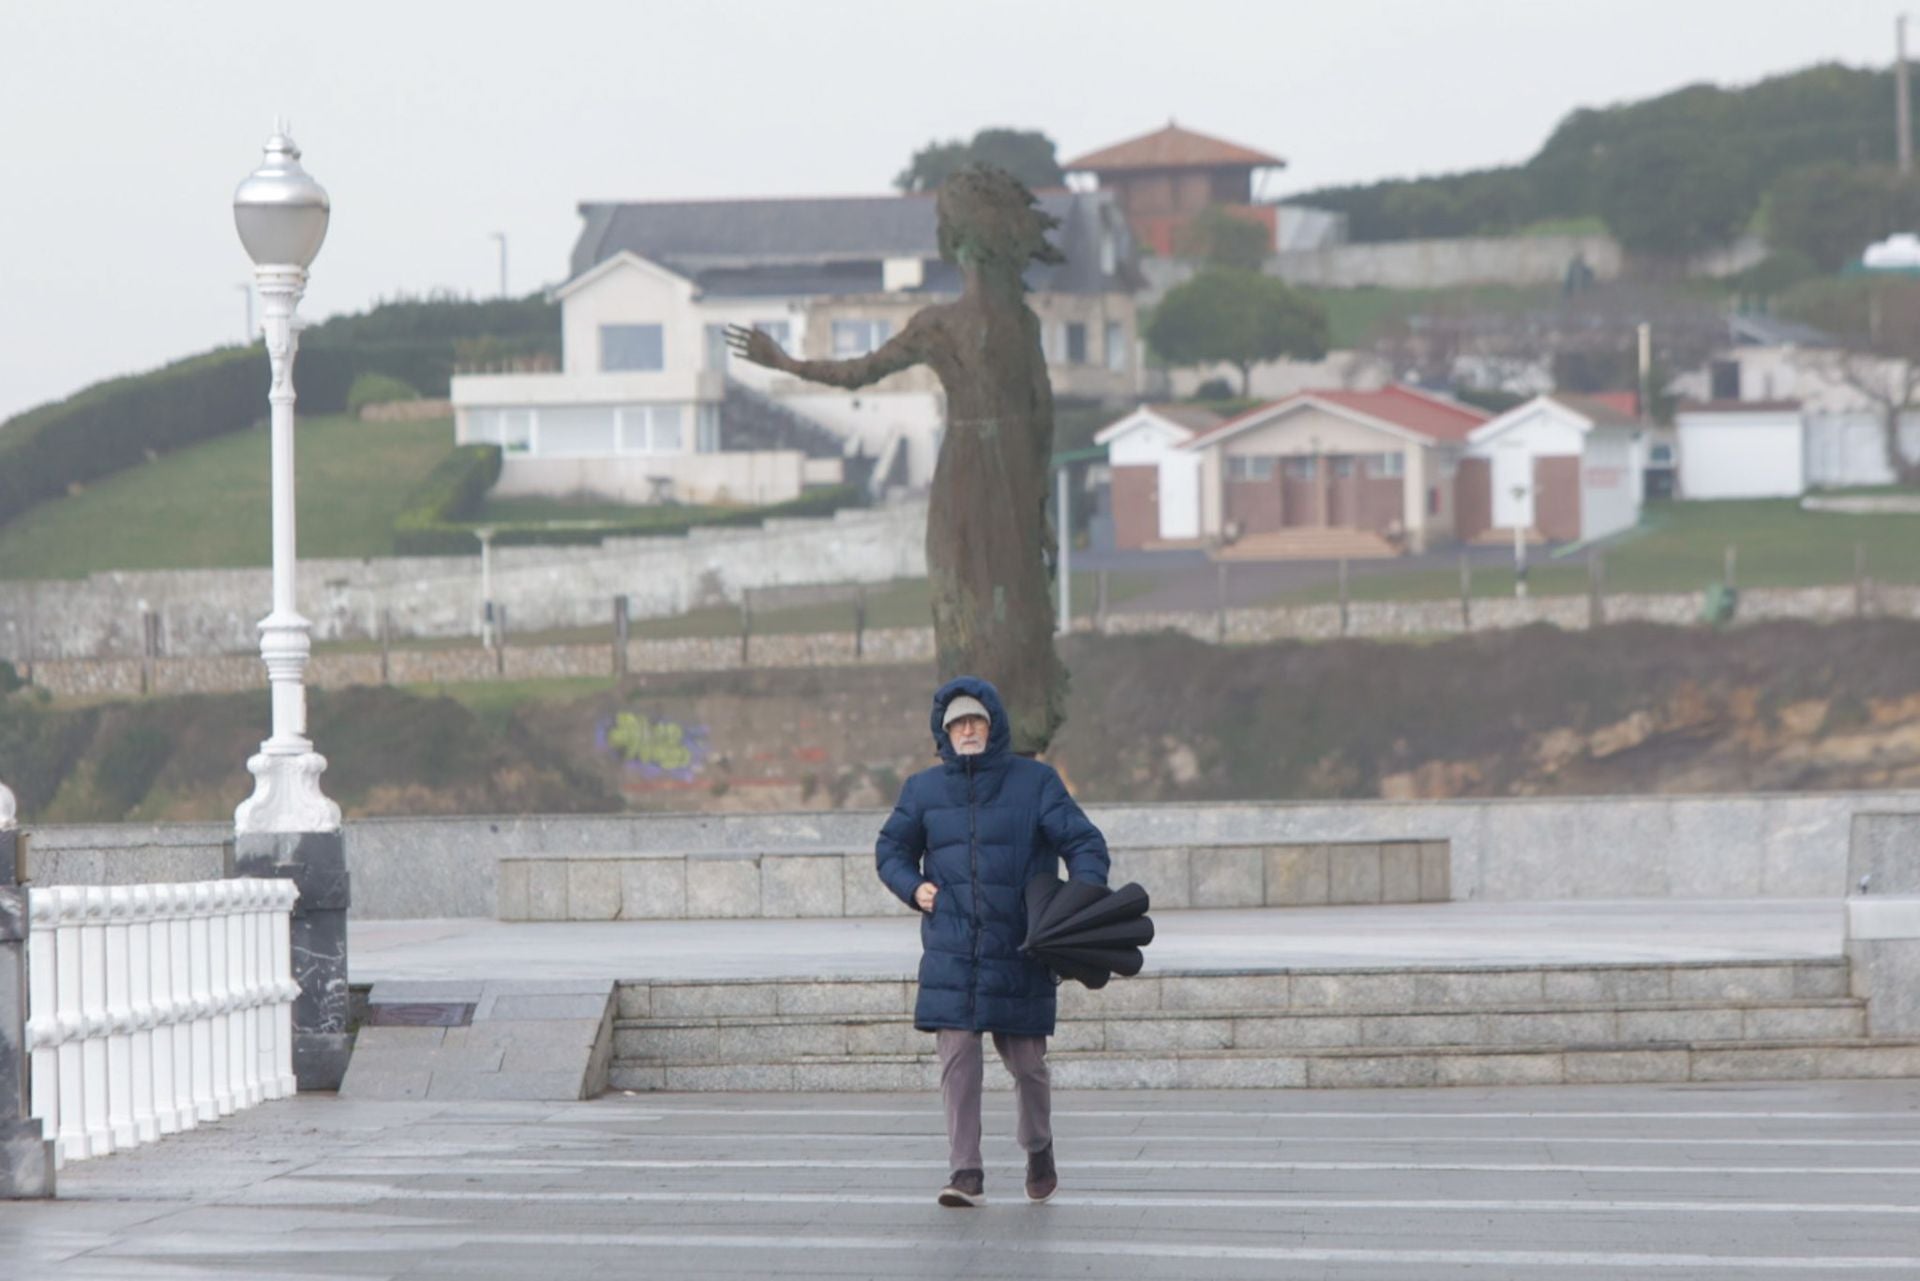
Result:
1154,484
1742,450
650,404
1565,466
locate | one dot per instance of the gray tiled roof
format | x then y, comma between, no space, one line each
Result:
833,244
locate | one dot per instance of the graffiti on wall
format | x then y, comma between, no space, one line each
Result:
654,749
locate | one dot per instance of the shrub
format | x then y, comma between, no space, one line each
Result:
377,389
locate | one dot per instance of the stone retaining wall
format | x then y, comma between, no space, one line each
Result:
127,677
729,884
1603,847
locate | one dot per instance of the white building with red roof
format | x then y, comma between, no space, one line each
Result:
1560,467
1332,474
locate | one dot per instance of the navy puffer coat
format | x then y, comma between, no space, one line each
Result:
980,827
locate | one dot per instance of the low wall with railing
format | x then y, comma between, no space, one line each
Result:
152,1008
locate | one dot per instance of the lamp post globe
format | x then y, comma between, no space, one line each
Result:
279,210
281,214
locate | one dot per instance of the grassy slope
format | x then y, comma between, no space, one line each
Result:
208,506
1682,547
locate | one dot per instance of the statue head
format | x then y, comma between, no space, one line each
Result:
988,219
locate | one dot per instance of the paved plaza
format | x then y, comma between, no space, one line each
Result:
1562,1184
1595,932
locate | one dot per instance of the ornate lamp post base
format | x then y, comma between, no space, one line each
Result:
26,1158
316,862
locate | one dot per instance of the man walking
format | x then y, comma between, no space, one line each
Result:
960,846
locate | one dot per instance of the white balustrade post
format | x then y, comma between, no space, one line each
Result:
285,989
94,1070
70,906
200,962
160,1006
43,1003
119,1016
245,948
146,1126
220,998
180,983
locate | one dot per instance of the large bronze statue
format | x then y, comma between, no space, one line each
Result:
989,543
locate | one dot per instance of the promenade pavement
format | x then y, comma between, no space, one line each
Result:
1687,1183
1596,932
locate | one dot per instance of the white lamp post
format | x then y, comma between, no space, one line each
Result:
282,216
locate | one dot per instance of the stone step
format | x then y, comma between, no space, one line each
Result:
1696,1061
777,1039
1425,989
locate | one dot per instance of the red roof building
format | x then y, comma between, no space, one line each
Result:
1164,178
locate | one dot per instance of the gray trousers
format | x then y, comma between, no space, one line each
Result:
962,1066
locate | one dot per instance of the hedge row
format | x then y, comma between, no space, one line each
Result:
429,523
116,424
437,519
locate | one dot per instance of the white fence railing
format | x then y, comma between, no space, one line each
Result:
152,1008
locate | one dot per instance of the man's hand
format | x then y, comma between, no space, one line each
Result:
755,346
925,894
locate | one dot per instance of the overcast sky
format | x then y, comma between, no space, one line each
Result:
124,127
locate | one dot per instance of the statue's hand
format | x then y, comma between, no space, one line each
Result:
755,346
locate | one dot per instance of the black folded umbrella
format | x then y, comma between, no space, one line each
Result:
1086,932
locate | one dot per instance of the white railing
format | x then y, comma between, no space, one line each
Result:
152,1008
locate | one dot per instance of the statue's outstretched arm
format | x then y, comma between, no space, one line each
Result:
902,351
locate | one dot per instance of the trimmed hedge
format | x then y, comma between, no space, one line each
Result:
117,424
438,519
429,524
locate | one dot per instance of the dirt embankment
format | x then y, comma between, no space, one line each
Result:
1631,709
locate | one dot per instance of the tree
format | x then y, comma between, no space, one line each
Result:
1028,154
1222,238
1831,212
1878,359
1240,317
1674,193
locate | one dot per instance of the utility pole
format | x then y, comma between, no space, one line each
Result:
1903,123
501,236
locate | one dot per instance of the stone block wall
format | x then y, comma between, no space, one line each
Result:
797,884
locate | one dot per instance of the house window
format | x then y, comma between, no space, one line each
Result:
1660,456
1725,376
1342,468
1116,346
1250,467
1303,468
664,429
1386,466
706,430
577,431
511,429
716,342
853,338
639,348
1076,344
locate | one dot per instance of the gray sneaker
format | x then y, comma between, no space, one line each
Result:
966,1187
1042,1178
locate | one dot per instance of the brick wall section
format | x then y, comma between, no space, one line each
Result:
96,678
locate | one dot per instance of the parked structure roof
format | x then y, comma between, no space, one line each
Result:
1423,413
1173,148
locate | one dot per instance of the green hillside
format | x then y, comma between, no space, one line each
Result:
207,505
1669,174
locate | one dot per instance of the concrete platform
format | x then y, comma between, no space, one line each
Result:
1586,932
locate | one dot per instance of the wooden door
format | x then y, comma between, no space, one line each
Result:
1472,498
1556,487
1136,506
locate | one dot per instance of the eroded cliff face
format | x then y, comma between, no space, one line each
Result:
1626,710
1773,707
